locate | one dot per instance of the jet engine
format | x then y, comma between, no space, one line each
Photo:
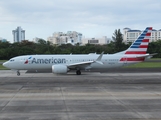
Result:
59,69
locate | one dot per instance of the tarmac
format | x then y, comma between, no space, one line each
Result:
90,96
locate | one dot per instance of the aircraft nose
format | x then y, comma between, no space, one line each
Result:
5,64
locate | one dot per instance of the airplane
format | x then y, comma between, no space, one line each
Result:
62,64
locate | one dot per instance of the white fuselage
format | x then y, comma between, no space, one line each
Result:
37,62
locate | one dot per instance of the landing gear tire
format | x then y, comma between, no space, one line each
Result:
18,73
78,72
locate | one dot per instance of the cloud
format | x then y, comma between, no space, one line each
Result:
42,18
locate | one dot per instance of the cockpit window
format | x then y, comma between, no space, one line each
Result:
12,60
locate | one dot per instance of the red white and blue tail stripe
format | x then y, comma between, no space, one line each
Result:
137,51
141,43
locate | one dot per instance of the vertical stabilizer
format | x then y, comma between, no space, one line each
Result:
140,45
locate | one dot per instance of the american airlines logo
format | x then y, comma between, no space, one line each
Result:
27,61
46,61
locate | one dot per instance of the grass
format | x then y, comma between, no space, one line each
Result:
3,60
146,65
155,58
3,68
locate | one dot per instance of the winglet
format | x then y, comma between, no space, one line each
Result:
98,60
100,57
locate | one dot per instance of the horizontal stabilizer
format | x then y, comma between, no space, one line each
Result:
146,55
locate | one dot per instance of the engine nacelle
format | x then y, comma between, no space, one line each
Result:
59,69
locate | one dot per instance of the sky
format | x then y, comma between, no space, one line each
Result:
92,18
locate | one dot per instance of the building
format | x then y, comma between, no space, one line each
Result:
71,37
18,34
100,41
130,35
155,35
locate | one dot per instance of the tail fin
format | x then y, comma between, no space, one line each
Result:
140,45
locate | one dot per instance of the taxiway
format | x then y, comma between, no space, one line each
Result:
90,96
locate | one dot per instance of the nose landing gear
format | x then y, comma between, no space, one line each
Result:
18,73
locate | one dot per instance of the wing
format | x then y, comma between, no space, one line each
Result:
86,63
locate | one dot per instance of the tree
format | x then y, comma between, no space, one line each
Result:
4,44
117,38
154,47
41,41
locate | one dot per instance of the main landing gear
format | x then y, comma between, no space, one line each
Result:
18,73
78,72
